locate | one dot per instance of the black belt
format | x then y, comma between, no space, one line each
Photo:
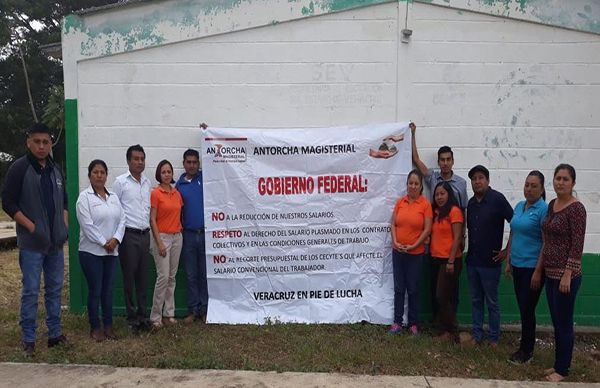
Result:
137,231
198,231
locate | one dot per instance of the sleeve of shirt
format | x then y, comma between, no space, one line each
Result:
543,213
13,183
507,210
120,232
428,213
456,216
86,222
117,188
464,198
65,198
577,220
154,199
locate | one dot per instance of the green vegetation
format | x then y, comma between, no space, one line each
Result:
358,348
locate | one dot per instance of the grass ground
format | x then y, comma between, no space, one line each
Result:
357,348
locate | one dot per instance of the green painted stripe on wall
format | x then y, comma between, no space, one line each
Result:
77,286
586,304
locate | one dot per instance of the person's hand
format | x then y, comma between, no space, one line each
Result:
397,246
162,250
31,229
413,128
508,269
565,283
450,268
500,255
536,279
406,248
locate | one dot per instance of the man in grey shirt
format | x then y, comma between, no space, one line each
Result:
433,177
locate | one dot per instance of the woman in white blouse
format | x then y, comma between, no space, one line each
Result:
102,224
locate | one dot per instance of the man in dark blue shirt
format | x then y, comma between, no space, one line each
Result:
193,252
486,212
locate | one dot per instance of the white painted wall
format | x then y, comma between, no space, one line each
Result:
509,94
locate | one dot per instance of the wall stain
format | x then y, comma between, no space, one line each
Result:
581,15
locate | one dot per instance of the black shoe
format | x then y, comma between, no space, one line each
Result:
134,328
520,357
28,348
60,340
145,325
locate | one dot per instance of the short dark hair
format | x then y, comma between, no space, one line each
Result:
95,163
135,147
419,175
191,152
444,211
570,169
542,179
445,150
39,128
159,167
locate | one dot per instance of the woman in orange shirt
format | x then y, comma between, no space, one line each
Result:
446,235
411,225
165,221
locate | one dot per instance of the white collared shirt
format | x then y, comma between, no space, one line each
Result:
99,221
135,200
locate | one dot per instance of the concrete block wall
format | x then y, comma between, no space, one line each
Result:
510,94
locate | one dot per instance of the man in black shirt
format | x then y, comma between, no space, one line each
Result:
34,196
486,212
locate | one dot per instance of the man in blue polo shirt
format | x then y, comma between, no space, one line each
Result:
193,252
486,212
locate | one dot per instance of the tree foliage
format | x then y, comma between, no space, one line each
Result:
25,25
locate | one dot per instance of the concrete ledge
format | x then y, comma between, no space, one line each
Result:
35,375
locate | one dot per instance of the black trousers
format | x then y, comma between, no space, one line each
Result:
134,254
527,299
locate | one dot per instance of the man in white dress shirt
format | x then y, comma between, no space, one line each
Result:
133,190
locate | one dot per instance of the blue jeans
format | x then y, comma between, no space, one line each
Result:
99,273
407,272
483,283
527,299
194,262
32,265
562,307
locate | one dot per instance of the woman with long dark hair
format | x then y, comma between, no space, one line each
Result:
523,251
102,225
563,232
411,225
446,237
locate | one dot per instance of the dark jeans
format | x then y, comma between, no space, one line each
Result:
445,293
32,265
562,307
483,282
194,262
433,279
134,254
99,273
407,272
527,299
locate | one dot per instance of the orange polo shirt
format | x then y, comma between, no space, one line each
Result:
168,206
410,221
441,234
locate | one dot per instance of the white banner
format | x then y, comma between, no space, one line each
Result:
298,222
